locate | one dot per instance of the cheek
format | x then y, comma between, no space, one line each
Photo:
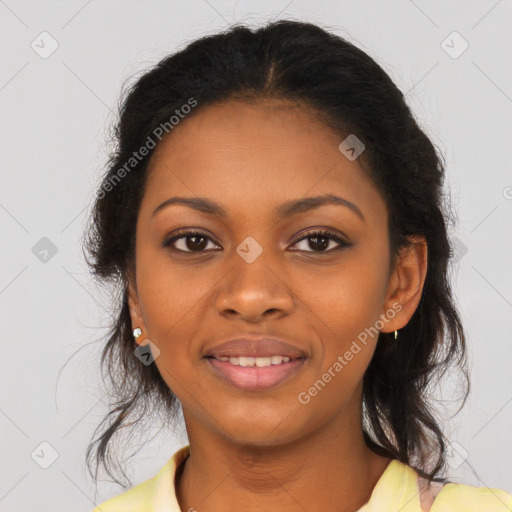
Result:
172,304
344,302
171,295
345,298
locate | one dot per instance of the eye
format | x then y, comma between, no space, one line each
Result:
197,241
321,240
189,241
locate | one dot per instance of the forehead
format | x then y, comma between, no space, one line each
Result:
260,130
252,154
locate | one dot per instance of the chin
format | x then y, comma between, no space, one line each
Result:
260,431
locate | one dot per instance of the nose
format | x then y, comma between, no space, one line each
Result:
253,292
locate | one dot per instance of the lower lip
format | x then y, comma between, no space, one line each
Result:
253,378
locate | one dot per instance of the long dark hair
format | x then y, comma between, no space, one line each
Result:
352,94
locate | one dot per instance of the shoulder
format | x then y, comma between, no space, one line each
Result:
152,495
466,498
133,500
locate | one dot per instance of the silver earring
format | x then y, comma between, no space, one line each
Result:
137,332
396,335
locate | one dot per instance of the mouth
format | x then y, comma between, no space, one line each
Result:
255,373
259,362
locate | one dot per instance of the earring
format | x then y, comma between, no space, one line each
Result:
137,332
396,335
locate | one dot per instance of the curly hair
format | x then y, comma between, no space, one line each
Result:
350,93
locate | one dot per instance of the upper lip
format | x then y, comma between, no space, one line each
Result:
247,345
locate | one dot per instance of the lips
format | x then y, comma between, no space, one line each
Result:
255,346
253,378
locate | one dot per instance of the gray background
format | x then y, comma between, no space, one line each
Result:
55,113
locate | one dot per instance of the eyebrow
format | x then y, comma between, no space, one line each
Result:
287,209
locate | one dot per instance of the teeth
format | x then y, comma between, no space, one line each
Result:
262,361
259,362
246,361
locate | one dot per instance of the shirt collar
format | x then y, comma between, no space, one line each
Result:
164,497
396,489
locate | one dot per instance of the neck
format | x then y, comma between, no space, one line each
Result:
220,475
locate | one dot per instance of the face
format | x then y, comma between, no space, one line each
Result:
256,270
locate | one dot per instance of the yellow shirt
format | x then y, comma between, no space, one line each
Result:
396,490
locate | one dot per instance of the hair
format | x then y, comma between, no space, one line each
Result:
305,64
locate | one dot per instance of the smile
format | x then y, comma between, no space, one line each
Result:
260,362
255,373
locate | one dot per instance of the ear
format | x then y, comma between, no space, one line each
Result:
405,284
135,308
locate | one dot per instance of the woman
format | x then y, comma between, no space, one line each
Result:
273,218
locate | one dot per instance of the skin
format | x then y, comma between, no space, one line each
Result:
265,450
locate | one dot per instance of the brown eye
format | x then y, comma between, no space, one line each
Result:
321,240
189,241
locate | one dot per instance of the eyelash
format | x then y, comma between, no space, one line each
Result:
324,233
